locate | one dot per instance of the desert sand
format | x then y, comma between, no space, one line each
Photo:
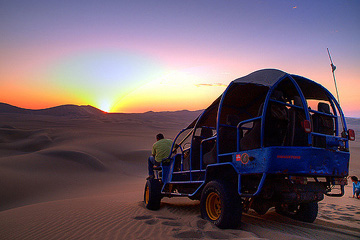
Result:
82,177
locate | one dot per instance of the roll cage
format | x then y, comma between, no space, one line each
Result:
296,92
269,115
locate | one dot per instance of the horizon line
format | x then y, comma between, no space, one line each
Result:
88,105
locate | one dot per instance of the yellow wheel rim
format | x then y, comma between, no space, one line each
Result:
147,195
213,206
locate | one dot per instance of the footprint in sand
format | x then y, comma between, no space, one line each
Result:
149,219
145,217
174,224
171,221
201,223
166,218
152,221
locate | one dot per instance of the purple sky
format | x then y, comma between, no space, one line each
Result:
41,41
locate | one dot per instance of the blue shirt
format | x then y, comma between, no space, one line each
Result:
356,186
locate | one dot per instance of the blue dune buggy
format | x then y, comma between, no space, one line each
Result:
272,139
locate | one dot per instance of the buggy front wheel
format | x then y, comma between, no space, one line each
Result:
152,194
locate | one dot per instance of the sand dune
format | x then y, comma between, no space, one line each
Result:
83,178
23,140
64,110
76,156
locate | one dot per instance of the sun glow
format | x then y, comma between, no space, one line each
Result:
105,105
191,89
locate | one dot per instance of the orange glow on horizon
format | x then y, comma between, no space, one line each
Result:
189,89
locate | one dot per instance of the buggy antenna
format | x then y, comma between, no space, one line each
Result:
333,67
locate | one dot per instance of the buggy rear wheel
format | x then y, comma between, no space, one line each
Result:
220,204
305,212
152,194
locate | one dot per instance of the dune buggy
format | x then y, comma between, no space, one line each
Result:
272,139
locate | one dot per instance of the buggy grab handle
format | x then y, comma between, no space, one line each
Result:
240,126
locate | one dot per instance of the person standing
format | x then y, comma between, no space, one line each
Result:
356,186
160,151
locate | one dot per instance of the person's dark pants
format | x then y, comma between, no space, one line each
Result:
151,164
357,192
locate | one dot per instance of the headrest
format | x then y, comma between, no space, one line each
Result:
278,95
297,101
323,107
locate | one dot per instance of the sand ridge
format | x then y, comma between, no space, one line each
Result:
23,140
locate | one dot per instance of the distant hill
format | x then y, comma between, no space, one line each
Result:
75,111
63,110
66,110
353,121
166,118
7,108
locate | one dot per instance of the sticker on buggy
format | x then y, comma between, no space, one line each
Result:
244,158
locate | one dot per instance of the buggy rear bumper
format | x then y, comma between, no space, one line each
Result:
302,197
291,161
308,161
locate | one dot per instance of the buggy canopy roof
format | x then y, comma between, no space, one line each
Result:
246,94
265,77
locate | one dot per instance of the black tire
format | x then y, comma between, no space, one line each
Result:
152,194
221,205
280,210
305,212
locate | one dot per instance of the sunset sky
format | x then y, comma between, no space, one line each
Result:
137,56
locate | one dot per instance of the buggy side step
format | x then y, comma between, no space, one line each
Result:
175,194
188,182
181,188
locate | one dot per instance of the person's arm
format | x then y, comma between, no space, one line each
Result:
353,189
